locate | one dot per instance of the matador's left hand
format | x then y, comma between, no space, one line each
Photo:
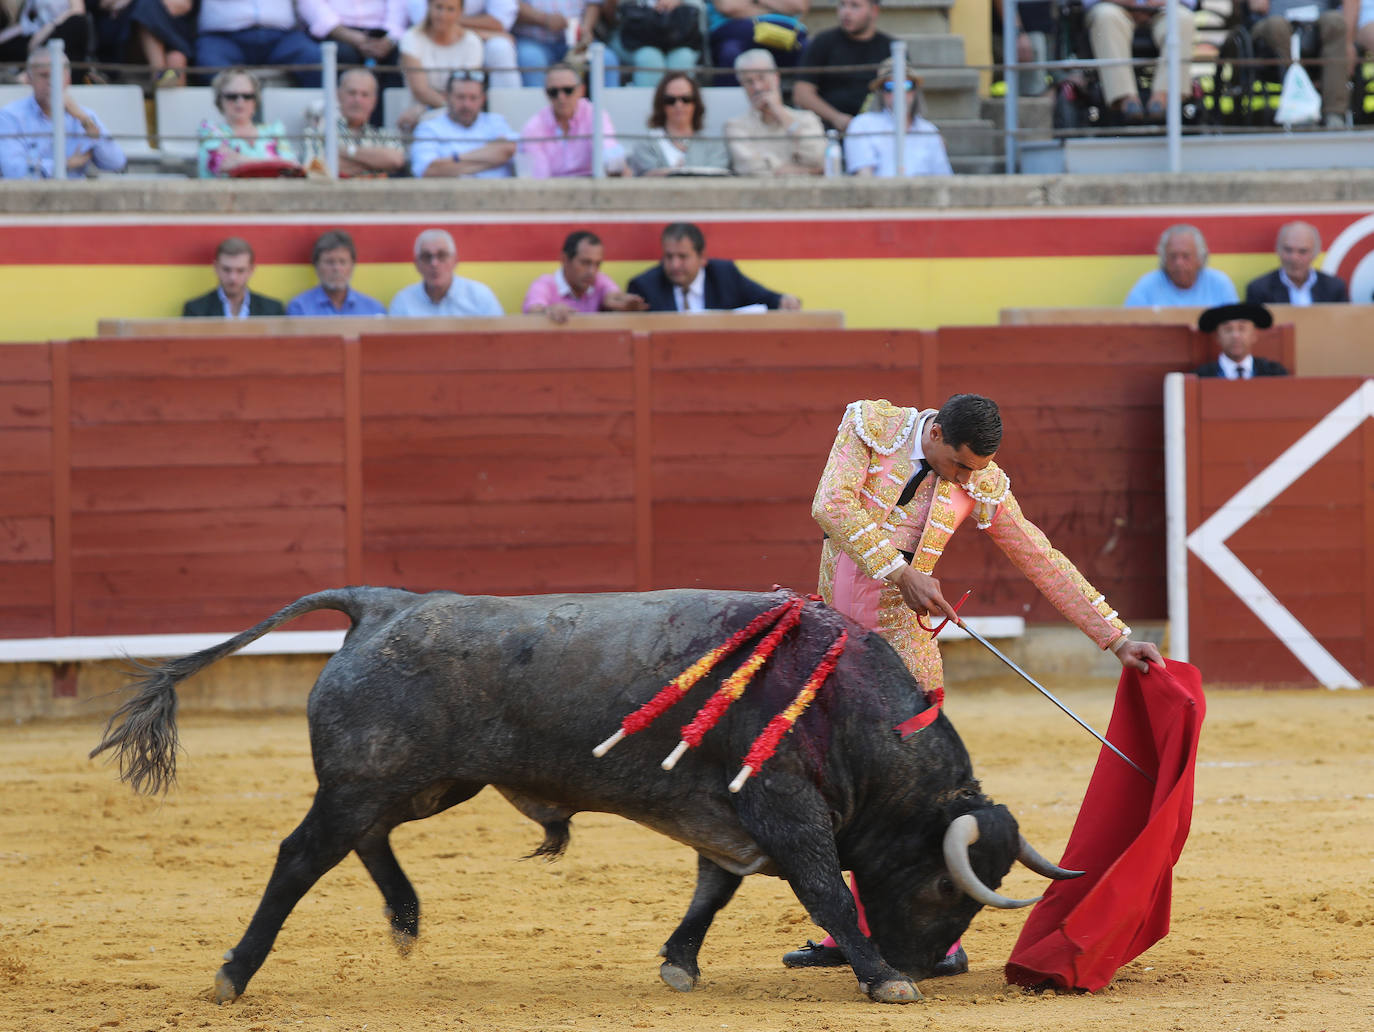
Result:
1139,655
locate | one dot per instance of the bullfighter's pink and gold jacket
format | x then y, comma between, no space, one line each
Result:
856,505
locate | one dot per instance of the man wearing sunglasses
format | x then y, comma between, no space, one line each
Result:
899,482
557,140
465,140
869,149
440,292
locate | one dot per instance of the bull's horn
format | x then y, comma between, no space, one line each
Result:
1041,866
962,833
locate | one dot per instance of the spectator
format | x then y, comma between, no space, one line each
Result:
838,96
542,37
164,30
579,284
557,140
1111,27
1295,282
26,131
365,30
1182,277
772,139
239,139
674,124
34,22
334,257
364,150
658,35
869,149
1274,29
735,26
430,53
1234,329
258,32
232,299
687,281
465,140
440,292
492,21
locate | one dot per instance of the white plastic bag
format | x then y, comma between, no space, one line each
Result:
1299,101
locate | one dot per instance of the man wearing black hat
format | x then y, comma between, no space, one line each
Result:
1235,328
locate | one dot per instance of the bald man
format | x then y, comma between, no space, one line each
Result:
1295,282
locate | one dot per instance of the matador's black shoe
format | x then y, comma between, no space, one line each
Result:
815,955
954,964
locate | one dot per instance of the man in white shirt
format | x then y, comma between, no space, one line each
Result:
440,292
1236,329
464,140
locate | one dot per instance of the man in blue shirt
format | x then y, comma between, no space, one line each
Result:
464,140
1182,277
26,131
440,292
334,257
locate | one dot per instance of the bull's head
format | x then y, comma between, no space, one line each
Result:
919,910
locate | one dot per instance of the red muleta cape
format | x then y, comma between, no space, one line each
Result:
1128,836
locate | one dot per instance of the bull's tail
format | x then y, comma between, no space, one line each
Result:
146,736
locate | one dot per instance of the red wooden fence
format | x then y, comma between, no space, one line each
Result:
198,484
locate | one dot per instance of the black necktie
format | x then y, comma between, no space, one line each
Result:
914,483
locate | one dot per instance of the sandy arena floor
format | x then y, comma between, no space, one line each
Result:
114,910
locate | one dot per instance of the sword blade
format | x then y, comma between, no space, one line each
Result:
1050,695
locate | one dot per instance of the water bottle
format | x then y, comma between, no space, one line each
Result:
834,155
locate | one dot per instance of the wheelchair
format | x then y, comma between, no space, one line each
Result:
1078,99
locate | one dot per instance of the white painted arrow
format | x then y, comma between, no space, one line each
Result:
1208,542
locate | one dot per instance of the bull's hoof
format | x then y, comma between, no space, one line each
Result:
675,977
405,942
225,990
896,990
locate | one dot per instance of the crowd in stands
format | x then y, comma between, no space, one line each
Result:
449,53
686,279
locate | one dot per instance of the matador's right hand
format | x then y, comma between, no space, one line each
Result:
921,592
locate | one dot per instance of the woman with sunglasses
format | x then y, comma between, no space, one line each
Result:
869,149
430,53
674,123
241,138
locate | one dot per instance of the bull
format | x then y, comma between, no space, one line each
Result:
433,697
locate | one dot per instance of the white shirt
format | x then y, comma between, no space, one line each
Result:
1299,295
228,311
868,143
695,301
1232,370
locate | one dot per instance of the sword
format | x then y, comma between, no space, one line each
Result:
1047,694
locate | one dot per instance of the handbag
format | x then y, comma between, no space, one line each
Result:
780,32
643,26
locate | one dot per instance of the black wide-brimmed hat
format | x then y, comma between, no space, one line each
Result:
1214,317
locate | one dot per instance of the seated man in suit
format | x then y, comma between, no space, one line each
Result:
231,299
1295,282
687,281
1234,327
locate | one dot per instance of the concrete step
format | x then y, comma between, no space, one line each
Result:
936,51
1034,115
970,137
949,92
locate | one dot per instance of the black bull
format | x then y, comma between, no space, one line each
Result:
432,697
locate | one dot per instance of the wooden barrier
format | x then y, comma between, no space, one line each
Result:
600,322
1328,340
182,485
1278,509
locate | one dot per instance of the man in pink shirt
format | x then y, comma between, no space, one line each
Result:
579,285
557,141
